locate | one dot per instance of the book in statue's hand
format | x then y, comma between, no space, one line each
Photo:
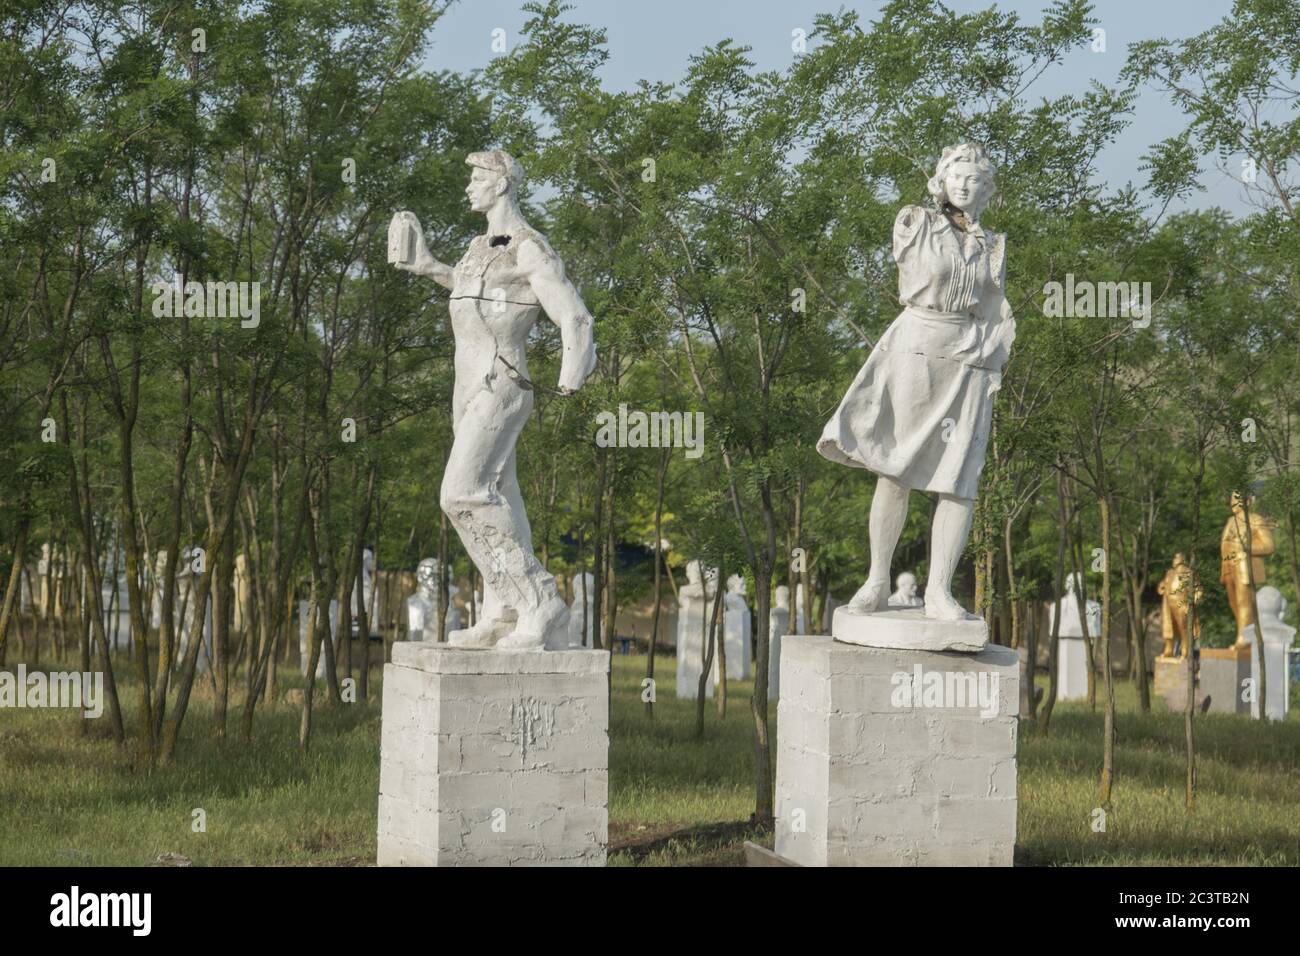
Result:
401,238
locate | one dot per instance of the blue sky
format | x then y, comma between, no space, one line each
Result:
653,39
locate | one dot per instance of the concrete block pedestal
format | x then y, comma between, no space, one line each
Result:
892,757
1170,682
494,758
1222,675
1072,669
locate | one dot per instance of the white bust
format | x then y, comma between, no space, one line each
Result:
422,607
1272,606
699,581
905,592
783,597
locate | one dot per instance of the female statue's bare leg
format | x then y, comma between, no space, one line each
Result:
948,534
888,515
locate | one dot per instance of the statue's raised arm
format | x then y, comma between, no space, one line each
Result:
500,287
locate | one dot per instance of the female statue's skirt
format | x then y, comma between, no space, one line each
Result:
921,408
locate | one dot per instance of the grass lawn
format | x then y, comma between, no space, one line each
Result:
69,799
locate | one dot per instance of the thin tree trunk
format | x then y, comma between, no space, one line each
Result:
1054,645
1108,742
659,559
706,672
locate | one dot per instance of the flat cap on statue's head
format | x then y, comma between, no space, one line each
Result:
500,162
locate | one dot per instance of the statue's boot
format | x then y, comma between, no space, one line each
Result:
942,606
487,632
550,620
872,596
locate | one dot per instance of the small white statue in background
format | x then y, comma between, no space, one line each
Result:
422,607
158,584
778,625
43,575
583,608
1278,636
905,592
737,629
1070,611
366,593
243,585
695,608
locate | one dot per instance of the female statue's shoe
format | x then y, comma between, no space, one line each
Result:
486,633
531,632
872,596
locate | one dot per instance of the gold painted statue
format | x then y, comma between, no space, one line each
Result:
1236,573
1175,608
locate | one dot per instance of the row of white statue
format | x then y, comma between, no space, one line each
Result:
115,596
695,609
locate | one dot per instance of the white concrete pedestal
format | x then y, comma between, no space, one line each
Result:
1072,669
907,628
691,624
494,758
1276,641
896,757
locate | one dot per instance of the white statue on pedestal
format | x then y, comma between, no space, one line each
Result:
737,629
159,572
905,592
778,625
1072,653
304,645
919,412
366,593
695,608
422,607
187,594
43,573
26,601
1070,611
498,290
1277,640
583,608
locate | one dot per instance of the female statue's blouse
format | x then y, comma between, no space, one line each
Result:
920,409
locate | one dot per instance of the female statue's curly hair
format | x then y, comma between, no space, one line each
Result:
962,153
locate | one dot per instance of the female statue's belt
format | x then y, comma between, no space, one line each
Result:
924,313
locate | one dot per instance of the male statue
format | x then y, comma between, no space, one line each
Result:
1175,590
502,283
1238,575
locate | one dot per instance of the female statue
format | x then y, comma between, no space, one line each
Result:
920,410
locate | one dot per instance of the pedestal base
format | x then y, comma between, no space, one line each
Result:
894,757
490,758
908,629
1221,677
1072,669
1278,676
